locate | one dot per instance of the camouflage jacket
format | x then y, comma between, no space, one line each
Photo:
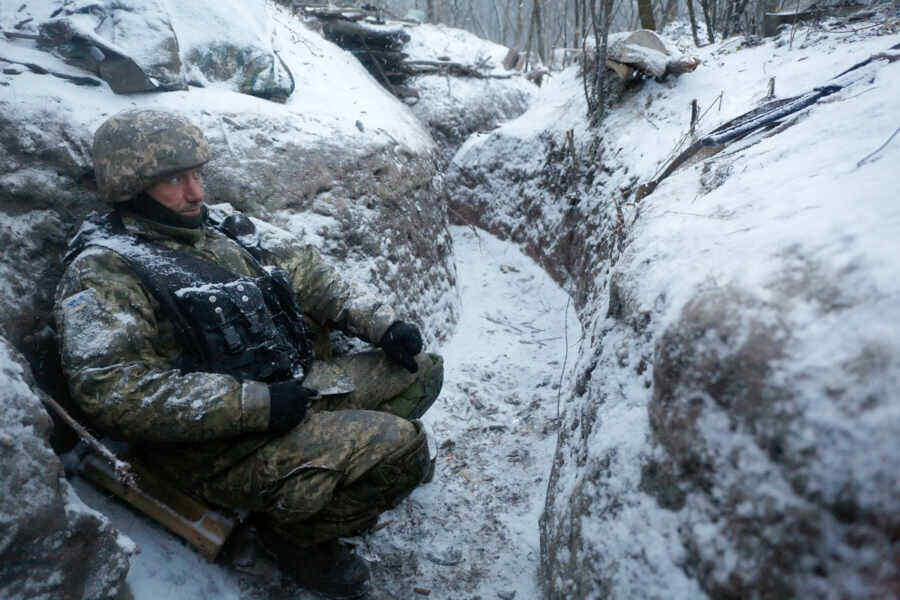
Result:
119,347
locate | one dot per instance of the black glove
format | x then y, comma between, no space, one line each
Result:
401,342
288,402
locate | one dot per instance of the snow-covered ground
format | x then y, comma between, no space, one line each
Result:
799,222
473,531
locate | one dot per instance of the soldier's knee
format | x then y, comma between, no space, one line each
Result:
416,399
405,468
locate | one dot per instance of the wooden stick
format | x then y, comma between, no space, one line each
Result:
24,36
695,114
123,469
879,149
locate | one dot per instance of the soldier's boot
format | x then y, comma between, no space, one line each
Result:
431,445
331,569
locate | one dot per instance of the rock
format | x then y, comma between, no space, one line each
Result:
238,51
456,107
266,76
138,47
131,45
252,70
51,544
647,52
46,178
746,442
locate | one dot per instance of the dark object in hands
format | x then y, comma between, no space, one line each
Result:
288,402
401,342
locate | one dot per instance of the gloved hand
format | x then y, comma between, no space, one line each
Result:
288,402
401,342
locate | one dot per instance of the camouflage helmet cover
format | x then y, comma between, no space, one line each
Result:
135,148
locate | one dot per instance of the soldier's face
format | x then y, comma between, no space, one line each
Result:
181,192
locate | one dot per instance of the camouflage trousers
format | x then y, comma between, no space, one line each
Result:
353,456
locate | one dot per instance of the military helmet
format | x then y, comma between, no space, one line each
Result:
136,148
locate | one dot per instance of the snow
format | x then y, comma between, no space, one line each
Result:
332,91
433,42
164,566
802,193
795,219
498,408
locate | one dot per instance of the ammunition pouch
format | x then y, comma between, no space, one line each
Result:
246,327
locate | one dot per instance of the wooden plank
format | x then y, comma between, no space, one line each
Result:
185,516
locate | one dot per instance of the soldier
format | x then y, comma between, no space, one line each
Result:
185,331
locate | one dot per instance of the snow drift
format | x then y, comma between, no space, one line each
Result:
734,423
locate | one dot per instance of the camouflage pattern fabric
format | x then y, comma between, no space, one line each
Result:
352,457
346,463
134,148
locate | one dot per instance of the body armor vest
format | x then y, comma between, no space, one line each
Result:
247,327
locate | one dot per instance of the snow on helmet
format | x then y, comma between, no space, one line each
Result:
136,148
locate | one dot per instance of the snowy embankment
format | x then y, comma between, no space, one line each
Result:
473,530
735,397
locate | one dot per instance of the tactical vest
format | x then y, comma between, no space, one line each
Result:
247,327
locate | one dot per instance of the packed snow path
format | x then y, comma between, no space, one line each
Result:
473,531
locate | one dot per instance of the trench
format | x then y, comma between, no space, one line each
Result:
474,530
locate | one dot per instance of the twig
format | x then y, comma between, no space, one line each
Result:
690,214
684,138
565,355
851,30
122,468
465,221
502,323
879,149
299,36
695,114
794,25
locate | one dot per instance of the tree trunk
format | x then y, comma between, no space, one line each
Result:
596,99
645,8
519,23
584,19
710,20
507,24
539,31
670,11
739,11
726,22
431,15
693,18
528,43
576,38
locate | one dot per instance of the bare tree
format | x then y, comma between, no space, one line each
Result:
690,7
645,8
595,74
538,24
520,8
709,15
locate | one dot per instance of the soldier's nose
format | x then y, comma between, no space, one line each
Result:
193,188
